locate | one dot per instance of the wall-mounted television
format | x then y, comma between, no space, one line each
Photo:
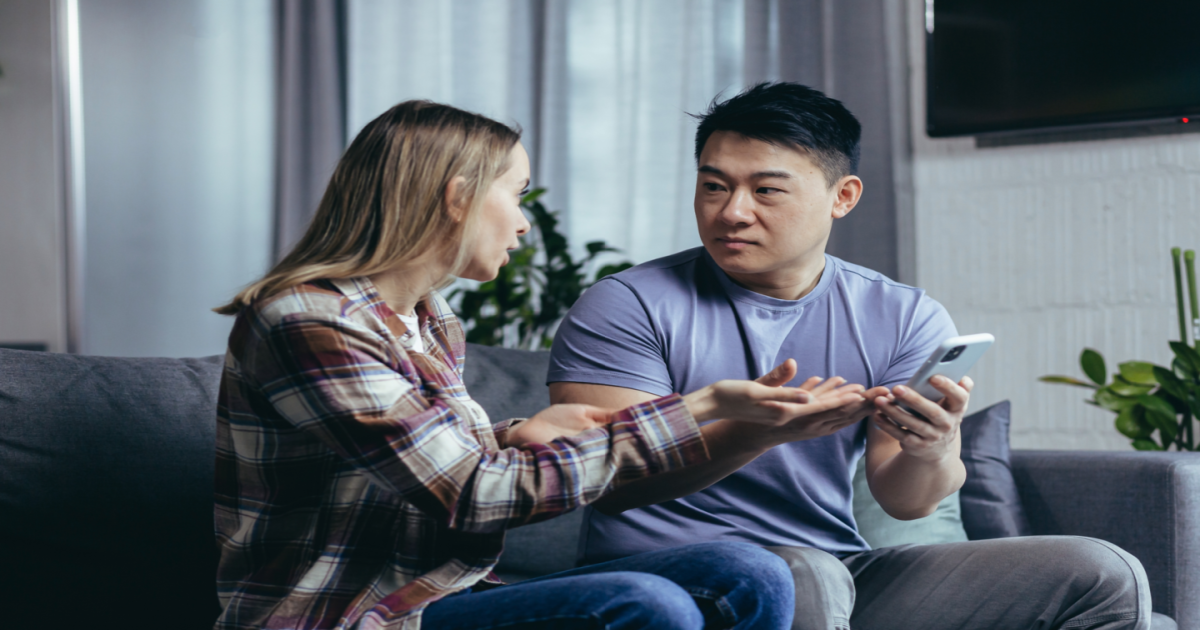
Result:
1007,65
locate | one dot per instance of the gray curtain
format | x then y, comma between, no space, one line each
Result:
853,50
310,108
603,88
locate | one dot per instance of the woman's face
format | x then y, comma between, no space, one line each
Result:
501,220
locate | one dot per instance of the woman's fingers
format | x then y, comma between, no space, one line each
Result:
781,375
812,382
829,384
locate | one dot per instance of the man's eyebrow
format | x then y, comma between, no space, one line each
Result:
759,175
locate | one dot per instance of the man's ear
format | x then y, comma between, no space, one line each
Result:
456,198
848,190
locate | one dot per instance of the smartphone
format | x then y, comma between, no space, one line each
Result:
952,358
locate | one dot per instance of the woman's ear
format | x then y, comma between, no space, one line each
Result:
456,198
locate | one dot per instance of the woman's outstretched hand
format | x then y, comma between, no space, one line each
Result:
784,414
557,421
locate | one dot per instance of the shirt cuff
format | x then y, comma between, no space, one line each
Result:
501,429
668,432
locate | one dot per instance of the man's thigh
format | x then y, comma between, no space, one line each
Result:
824,588
1034,582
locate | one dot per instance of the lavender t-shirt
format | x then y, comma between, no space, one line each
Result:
679,323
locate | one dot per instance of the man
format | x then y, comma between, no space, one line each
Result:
776,167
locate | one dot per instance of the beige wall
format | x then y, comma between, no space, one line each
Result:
1052,248
31,231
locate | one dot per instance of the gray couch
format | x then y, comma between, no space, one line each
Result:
106,471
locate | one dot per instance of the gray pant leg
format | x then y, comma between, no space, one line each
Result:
1039,582
824,588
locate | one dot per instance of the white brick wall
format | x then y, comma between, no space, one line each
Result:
1053,248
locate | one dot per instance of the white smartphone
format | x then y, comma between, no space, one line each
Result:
952,358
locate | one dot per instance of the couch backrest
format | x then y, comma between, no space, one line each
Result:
106,469
106,481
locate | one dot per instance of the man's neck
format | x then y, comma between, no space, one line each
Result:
784,284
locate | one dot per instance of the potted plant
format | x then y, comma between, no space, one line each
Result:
523,306
1152,399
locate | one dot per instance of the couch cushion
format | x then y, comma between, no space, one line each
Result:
109,464
991,506
512,384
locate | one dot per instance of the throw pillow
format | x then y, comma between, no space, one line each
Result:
991,506
880,530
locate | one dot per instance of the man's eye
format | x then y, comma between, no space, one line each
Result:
711,187
767,191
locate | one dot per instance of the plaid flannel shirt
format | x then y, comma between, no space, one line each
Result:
357,482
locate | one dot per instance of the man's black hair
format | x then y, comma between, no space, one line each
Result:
791,115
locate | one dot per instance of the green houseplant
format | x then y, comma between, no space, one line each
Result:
522,307
1152,399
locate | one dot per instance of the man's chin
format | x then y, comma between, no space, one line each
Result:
742,261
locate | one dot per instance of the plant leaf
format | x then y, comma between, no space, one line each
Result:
1160,415
532,196
1139,372
1158,405
608,270
1093,366
1065,380
1129,426
1112,401
1187,356
1146,445
1125,388
1170,383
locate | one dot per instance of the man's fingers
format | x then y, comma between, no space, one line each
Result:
957,396
932,411
885,425
901,417
782,374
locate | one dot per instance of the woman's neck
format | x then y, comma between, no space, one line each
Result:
402,289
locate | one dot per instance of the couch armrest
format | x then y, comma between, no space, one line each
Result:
1148,503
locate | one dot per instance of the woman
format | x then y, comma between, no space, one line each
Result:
358,485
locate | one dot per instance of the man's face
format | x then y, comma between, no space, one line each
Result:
765,211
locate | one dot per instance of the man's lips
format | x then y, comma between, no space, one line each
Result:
735,243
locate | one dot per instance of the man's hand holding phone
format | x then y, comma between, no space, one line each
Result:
934,436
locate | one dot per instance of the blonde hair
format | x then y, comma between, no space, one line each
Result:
386,204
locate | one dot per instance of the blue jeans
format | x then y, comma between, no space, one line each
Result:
708,585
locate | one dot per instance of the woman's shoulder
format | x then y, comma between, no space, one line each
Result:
317,299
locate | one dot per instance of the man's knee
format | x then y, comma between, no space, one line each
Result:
824,587
1109,567
816,569
1108,580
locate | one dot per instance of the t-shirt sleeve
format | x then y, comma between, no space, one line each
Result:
608,338
929,326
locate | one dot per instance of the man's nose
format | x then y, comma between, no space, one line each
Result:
739,209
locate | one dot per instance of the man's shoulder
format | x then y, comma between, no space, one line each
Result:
858,282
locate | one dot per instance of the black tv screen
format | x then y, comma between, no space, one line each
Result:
1003,65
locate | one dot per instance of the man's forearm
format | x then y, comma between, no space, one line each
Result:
728,450
908,488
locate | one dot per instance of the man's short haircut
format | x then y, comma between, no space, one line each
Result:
791,115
